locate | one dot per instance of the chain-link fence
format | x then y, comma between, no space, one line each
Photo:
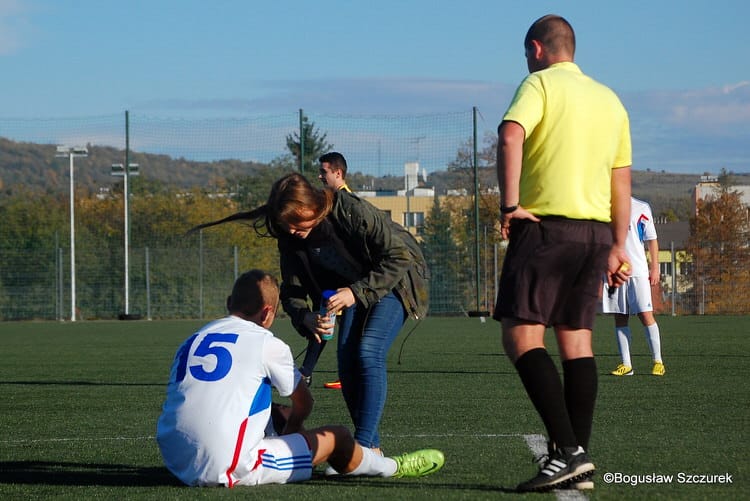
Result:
183,278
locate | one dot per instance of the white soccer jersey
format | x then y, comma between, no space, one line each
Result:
641,229
219,400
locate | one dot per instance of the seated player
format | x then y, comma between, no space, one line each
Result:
215,427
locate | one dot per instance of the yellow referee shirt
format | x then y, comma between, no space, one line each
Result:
577,130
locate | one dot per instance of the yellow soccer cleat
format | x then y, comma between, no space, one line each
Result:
658,369
623,370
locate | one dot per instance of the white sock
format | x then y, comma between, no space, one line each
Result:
374,465
623,342
654,340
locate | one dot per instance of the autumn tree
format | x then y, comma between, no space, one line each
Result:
720,250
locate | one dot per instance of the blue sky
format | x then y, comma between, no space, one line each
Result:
682,68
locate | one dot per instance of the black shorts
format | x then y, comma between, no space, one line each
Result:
552,272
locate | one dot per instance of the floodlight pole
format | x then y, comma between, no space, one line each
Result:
120,170
71,153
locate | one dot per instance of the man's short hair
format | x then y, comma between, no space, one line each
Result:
554,32
252,291
335,160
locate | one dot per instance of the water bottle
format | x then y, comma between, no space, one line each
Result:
323,312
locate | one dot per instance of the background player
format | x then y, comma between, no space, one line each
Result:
634,296
332,171
214,427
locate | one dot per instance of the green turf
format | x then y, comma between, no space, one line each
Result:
79,402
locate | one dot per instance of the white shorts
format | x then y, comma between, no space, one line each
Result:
632,297
280,460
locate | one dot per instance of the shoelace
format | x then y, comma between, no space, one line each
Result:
412,464
541,460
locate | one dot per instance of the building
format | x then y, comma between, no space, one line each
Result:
409,209
709,186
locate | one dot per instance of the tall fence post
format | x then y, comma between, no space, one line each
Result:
674,277
148,285
477,279
301,141
59,256
200,274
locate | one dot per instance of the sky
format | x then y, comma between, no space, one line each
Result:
682,68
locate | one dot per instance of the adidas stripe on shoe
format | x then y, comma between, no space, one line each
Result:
564,467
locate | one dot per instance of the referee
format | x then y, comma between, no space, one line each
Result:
563,164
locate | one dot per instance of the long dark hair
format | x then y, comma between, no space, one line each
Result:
292,200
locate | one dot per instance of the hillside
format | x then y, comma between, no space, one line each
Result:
34,166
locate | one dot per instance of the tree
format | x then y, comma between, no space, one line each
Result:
718,244
314,143
448,267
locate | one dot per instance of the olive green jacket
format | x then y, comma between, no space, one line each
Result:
386,254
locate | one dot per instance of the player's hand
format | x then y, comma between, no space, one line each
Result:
654,277
519,213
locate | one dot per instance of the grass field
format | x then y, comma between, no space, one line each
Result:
79,404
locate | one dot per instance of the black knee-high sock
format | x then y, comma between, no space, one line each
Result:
581,382
542,382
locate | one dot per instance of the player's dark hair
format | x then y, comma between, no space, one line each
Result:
292,200
336,160
554,32
252,291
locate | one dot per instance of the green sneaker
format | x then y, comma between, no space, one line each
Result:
419,463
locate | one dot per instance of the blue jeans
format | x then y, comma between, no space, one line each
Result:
363,343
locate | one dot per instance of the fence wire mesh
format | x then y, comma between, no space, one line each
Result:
175,277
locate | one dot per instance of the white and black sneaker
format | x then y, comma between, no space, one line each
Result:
565,466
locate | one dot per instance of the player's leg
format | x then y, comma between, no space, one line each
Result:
277,460
615,301
336,445
624,338
643,306
653,336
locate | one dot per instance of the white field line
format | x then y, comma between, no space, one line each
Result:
134,439
75,439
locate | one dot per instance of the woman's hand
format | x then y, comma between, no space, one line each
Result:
343,298
317,324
